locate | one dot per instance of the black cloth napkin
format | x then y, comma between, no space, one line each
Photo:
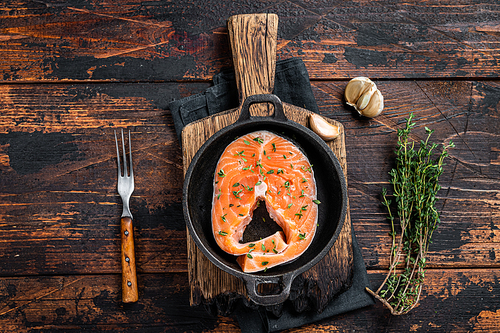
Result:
291,86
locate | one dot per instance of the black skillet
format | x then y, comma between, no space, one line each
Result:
331,189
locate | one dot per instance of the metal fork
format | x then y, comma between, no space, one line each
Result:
125,188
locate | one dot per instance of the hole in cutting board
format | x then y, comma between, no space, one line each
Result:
261,226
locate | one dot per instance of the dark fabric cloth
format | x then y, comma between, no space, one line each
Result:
291,86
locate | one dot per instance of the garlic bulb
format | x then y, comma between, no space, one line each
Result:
323,128
363,95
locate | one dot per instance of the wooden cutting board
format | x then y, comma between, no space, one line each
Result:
253,41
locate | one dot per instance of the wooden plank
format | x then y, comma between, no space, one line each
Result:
462,300
124,40
60,214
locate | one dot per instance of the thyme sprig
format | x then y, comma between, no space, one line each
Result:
415,183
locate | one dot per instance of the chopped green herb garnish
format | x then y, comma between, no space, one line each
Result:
259,140
218,196
304,180
251,245
291,165
284,156
275,251
316,201
301,194
258,183
241,215
274,147
246,142
264,152
231,205
222,233
262,247
270,172
289,205
224,217
280,171
236,184
236,194
249,255
221,173
269,157
299,215
304,207
302,236
306,169
264,263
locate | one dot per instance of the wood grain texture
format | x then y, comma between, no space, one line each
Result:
57,211
253,45
187,40
65,200
59,231
452,301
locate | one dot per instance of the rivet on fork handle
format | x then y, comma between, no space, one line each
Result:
129,278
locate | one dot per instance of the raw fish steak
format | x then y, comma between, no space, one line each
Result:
263,166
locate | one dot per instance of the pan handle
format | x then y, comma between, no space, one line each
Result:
266,300
278,114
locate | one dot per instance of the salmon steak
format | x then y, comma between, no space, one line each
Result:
263,166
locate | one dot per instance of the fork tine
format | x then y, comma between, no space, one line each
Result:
130,154
125,172
118,157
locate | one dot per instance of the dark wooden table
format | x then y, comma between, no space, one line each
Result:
74,71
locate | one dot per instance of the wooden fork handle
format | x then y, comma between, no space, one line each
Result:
129,279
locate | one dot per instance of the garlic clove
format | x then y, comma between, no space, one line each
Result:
363,94
365,98
375,106
323,128
355,88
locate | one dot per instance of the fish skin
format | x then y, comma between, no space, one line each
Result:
264,166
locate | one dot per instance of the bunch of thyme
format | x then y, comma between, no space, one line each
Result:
415,185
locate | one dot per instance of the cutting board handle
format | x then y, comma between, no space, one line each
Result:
253,40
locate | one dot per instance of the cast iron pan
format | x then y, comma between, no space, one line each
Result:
331,189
